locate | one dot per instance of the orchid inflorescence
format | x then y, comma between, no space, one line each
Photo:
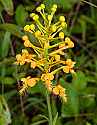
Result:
47,55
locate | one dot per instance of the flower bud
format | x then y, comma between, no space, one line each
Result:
64,24
35,17
32,27
25,37
62,19
32,14
55,6
38,9
24,51
53,28
49,17
69,43
37,33
42,6
27,28
61,35
53,9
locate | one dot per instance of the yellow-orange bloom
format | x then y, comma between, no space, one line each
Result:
48,85
47,80
20,59
47,77
66,69
69,43
70,63
69,66
61,35
33,64
59,90
37,33
29,81
27,43
25,37
57,57
25,57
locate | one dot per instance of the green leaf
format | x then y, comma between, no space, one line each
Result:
5,45
55,119
12,28
88,123
39,122
38,88
80,82
5,116
8,6
21,15
71,107
65,4
7,80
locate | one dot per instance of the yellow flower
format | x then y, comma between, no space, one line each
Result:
48,50
70,63
61,35
27,43
62,93
42,6
27,28
38,9
48,85
25,57
32,15
57,57
33,64
49,17
64,24
47,80
37,33
54,8
66,69
62,19
59,90
69,66
25,37
28,82
32,27
35,17
53,28
69,43
47,76
20,59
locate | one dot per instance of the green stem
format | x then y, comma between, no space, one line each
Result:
46,44
56,70
49,108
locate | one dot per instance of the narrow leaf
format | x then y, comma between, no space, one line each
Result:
8,6
21,15
14,29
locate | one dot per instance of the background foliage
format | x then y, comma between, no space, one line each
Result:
31,109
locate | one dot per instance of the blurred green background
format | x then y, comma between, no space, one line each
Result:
31,108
